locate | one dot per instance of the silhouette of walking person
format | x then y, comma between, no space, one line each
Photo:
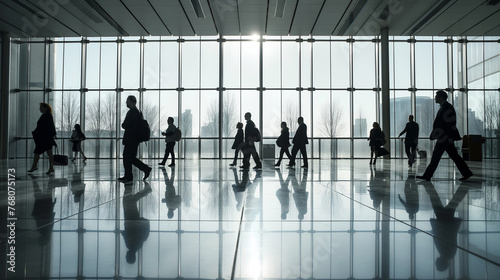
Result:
299,143
411,139
136,228
172,200
283,142
170,142
239,139
44,135
445,133
76,138
249,147
131,142
375,139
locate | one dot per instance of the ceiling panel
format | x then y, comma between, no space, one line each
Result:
485,25
87,15
172,14
471,19
305,16
22,15
147,17
280,26
202,26
91,18
122,17
330,16
225,15
252,16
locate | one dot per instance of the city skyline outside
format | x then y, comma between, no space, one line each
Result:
333,82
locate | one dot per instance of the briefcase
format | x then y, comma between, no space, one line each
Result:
60,159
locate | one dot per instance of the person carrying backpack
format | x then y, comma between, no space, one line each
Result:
76,138
170,142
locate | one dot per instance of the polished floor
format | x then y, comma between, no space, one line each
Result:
339,219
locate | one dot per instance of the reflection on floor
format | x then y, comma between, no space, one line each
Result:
339,219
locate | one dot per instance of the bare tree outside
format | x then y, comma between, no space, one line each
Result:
290,115
492,116
67,114
229,118
330,123
100,116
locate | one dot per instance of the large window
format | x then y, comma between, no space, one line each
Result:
207,84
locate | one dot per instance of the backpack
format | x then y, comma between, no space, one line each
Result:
177,134
256,135
143,130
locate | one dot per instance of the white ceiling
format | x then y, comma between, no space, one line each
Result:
94,18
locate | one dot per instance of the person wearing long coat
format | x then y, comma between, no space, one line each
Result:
44,135
375,139
283,142
239,140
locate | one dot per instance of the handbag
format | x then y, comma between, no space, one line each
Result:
382,152
60,159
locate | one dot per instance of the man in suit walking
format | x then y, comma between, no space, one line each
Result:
131,142
249,147
299,143
445,133
411,139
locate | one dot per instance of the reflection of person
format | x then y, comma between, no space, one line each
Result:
300,195
411,139
169,139
445,226
136,228
283,194
299,143
283,142
249,147
77,186
131,142
239,188
44,135
238,141
43,212
412,200
445,133
378,187
172,200
375,139
76,138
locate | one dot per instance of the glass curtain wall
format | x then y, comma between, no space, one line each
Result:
207,84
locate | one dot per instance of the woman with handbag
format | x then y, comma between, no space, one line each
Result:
283,142
376,137
44,135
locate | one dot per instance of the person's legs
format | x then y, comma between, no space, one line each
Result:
408,153
303,152
129,152
51,161
235,160
282,151
295,149
458,160
165,156
170,148
436,157
255,156
34,167
413,151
